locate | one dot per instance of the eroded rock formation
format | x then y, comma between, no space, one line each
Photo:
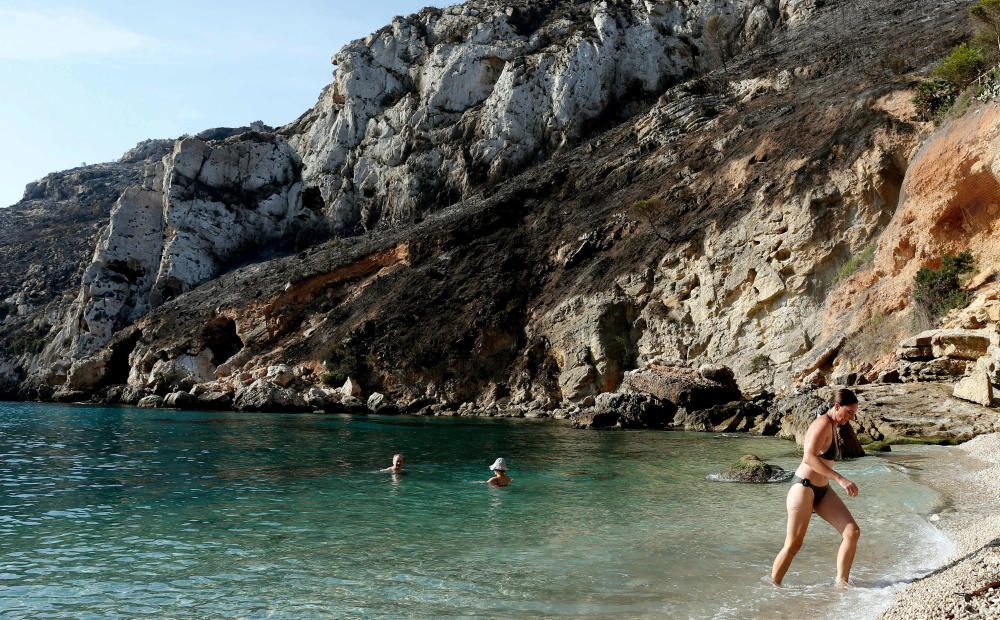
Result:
429,108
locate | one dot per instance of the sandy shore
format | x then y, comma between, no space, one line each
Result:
970,482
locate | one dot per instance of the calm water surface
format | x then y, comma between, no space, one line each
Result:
116,512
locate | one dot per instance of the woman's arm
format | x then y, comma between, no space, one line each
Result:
819,431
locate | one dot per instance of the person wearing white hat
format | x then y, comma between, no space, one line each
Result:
500,477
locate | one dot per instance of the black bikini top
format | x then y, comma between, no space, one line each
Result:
833,452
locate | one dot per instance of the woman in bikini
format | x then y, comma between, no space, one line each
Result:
811,490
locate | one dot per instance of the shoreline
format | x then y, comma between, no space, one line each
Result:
967,479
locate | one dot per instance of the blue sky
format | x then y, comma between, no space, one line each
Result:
84,81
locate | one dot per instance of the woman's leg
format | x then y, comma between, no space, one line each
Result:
834,512
800,508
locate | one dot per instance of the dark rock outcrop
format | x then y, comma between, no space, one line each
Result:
627,411
685,387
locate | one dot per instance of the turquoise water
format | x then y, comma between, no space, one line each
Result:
118,512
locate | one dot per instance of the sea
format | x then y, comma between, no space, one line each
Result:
113,512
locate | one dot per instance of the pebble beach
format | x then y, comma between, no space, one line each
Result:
967,586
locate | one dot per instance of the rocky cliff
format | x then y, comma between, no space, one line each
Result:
432,107
527,201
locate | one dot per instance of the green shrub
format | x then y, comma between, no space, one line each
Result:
940,290
960,67
933,99
25,344
651,210
854,263
341,363
759,362
986,15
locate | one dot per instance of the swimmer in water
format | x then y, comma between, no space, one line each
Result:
500,477
397,465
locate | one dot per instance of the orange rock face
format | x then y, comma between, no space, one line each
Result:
950,202
951,199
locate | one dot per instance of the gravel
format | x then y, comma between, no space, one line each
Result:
969,585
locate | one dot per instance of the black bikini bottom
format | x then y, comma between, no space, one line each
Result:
818,492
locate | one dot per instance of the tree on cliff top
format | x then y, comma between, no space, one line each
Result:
961,66
716,31
987,14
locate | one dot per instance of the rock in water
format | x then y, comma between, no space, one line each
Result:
750,468
627,411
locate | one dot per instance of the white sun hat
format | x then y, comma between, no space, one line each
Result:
499,465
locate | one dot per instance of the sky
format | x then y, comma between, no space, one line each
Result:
83,82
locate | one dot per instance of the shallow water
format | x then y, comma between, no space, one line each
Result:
117,512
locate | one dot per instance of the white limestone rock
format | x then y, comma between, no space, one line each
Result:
281,374
418,111
198,209
350,389
975,388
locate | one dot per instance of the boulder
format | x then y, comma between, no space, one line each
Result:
723,375
815,379
750,468
734,417
281,374
150,402
846,379
351,388
975,388
962,344
182,372
684,387
416,405
917,348
988,365
378,403
213,399
131,395
940,369
577,382
262,395
179,400
87,373
925,410
888,376
325,398
627,411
